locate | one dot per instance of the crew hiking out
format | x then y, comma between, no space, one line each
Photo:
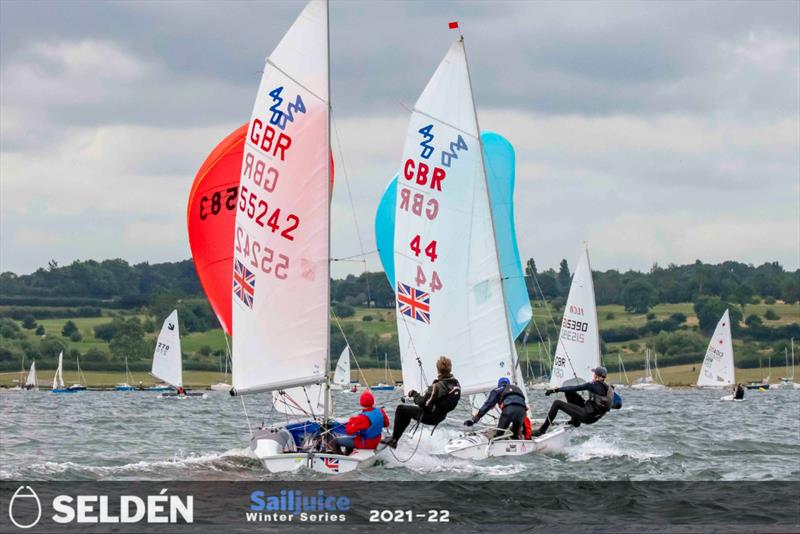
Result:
431,408
602,398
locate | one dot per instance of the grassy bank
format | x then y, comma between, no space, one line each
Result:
677,375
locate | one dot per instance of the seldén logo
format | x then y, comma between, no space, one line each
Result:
24,498
101,509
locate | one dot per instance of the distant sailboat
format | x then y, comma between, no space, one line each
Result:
126,386
388,383
30,381
622,373
224,385
341,376
81,385
58,377
718,369
787,382
167,358
647,382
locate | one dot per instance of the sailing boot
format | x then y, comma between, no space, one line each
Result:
390,442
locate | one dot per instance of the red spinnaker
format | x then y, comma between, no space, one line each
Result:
211,216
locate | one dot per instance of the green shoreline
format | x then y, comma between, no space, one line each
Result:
673,376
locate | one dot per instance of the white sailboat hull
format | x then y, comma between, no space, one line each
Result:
269,448
478,446
221,386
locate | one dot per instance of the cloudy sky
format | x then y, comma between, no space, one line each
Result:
658,132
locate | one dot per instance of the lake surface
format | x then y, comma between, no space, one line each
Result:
678,434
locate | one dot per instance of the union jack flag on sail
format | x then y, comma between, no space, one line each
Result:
414,303
244,284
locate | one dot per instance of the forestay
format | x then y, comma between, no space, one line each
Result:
281,244
167,364
342,374
578,348
448,288
718,369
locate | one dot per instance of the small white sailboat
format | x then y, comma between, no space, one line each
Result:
223,386
282,252
341,376
167,358
787,382
80,386
718,369
58,377
30,381
388,383
126,386
622,373
647,382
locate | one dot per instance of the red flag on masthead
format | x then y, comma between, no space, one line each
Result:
453,25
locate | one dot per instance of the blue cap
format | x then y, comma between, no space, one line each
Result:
503,382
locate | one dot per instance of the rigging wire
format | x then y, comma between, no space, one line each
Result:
352,204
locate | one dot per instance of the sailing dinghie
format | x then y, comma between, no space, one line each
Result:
446,266
647,382
577,353
578,348
126,386
341,376
281,271
58,378
167,358
30,381
718,370
224,385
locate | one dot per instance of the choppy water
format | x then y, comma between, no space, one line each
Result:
676,434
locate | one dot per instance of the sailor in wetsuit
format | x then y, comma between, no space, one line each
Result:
601,400
511,400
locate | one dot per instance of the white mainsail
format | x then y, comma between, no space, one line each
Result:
578,349
718,369
342,374
167,357
31,380
281,250
449,294
58,378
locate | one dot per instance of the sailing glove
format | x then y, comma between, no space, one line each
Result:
551,391
469,422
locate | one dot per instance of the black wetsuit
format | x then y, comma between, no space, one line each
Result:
739,395
513,409
576,407
427,409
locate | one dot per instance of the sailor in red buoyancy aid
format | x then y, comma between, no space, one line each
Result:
364,430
